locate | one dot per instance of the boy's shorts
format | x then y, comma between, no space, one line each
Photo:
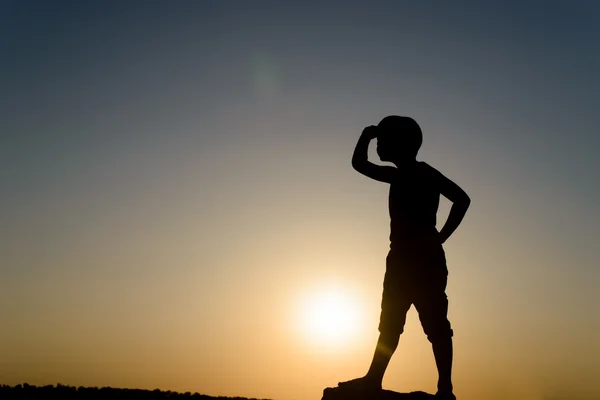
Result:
416,275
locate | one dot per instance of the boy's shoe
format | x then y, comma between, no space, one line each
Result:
445,396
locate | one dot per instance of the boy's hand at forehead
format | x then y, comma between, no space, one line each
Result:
360,160
371,131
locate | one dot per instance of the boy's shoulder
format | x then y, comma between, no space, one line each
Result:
427,170
421,172
427,175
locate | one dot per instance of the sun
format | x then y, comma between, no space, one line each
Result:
331,317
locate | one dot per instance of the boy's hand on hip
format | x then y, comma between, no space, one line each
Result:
443,239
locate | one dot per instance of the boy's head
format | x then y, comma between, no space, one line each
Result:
399,138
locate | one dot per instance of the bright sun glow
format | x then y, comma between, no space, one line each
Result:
331,317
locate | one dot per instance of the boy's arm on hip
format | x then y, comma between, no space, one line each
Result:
460,203
451,190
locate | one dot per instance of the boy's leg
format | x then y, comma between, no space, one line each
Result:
386,346
395,303
432,306
442,351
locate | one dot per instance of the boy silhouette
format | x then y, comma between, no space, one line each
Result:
416,271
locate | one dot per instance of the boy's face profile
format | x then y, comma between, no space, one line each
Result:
398,139
385,145
391,147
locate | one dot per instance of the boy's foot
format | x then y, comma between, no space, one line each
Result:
445,396
365,383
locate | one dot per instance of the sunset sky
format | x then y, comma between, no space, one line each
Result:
178,209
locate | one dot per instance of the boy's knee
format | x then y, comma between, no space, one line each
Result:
390,336
391,321
391,330
439,333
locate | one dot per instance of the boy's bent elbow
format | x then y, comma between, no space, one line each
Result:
461,201
358,164
464,202
467,200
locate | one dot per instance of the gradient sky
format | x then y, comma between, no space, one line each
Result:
176,183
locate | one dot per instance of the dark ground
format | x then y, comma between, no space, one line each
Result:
60,392
341,394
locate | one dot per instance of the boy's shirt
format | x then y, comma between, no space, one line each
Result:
413,204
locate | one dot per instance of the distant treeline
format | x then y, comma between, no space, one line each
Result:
60,392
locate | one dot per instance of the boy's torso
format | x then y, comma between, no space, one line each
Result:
413,203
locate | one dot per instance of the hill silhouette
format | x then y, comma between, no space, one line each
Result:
30,392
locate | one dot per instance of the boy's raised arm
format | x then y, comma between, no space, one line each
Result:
460,203
360,158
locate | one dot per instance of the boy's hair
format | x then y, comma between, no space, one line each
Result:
404,132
